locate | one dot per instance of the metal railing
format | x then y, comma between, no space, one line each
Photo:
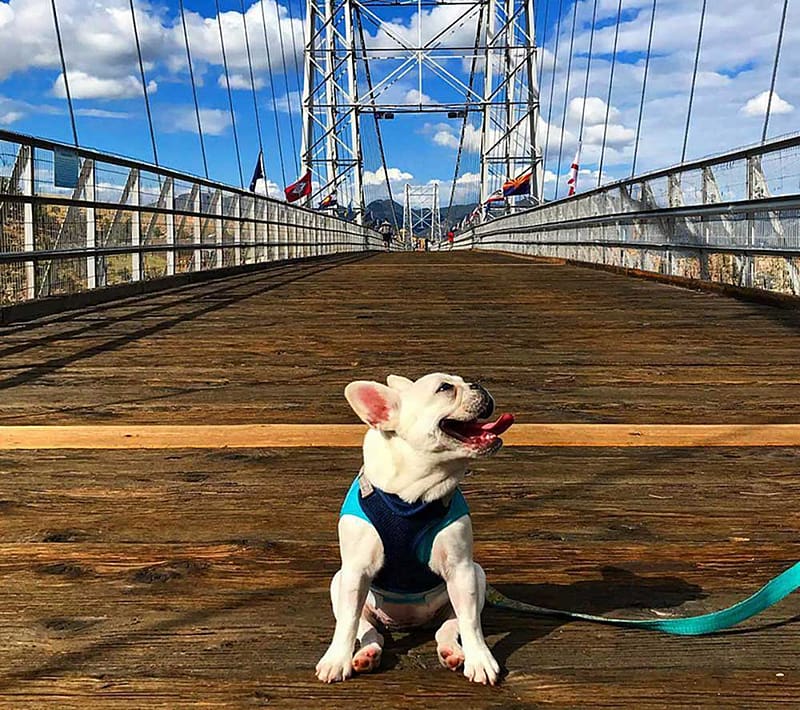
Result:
122,221
732,219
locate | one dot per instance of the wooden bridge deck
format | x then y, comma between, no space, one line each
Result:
192,577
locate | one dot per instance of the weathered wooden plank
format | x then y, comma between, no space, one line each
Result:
108,436
557,344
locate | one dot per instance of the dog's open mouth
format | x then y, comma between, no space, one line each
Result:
475,434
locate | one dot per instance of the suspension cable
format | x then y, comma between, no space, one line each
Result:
144,85
588,71
566,95
253,85
466,116
552,86
774,71
278,22
608,99
375,116
64,74
544,41
694,80
644,89
272,92
230,96
194,91
294,47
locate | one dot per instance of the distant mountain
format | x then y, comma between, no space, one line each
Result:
381,210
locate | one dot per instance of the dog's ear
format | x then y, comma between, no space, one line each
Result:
399,383
375,404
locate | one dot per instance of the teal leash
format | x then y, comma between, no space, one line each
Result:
770,594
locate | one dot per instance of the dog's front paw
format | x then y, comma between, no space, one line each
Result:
480,666
335,666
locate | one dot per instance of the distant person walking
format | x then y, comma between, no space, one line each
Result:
385,231
451,237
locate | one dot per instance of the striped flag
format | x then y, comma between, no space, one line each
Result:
520,185
572,180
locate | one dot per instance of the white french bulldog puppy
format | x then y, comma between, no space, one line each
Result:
405,534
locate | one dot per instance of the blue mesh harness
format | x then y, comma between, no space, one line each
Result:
407,531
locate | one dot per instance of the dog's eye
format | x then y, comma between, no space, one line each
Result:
445,387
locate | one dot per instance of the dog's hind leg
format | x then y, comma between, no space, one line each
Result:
448,649
368,656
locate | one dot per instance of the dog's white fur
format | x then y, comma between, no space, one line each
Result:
408,454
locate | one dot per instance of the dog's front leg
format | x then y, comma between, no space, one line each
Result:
451,558
362,557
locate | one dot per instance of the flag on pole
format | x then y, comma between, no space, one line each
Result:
520,185
300,188
259,173
572,180
495,198
329,201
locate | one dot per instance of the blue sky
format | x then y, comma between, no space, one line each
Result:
735,67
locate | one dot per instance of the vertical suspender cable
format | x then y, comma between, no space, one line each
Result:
552,86
295,149
294,47
64,74
144,85
566,94
230,96
694,80
608,98
544,41
272,92
253,88
377,122
774,71
194,91
644,89
466,116
588,72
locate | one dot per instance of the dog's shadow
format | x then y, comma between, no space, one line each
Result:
618,589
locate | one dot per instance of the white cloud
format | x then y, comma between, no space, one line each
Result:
101,113
86,86
594,113
378,177
757,106
414,96
214,121
9,117
240,81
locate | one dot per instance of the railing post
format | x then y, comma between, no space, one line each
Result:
91,234
218,230
136,227
197,231
236,208
170,226
26,180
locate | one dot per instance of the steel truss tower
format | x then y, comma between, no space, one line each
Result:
422,216
471,60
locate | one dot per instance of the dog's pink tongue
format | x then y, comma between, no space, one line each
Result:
498,427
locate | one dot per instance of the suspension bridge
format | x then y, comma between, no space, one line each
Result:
593,213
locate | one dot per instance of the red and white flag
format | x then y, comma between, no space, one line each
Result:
301,188
572,180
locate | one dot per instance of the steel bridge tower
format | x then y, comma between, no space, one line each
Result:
475,63
422,216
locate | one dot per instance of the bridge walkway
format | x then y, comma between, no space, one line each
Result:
184,576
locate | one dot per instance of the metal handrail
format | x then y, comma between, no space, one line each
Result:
103,234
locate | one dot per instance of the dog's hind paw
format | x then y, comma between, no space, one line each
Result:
452,658
367,658
334,667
